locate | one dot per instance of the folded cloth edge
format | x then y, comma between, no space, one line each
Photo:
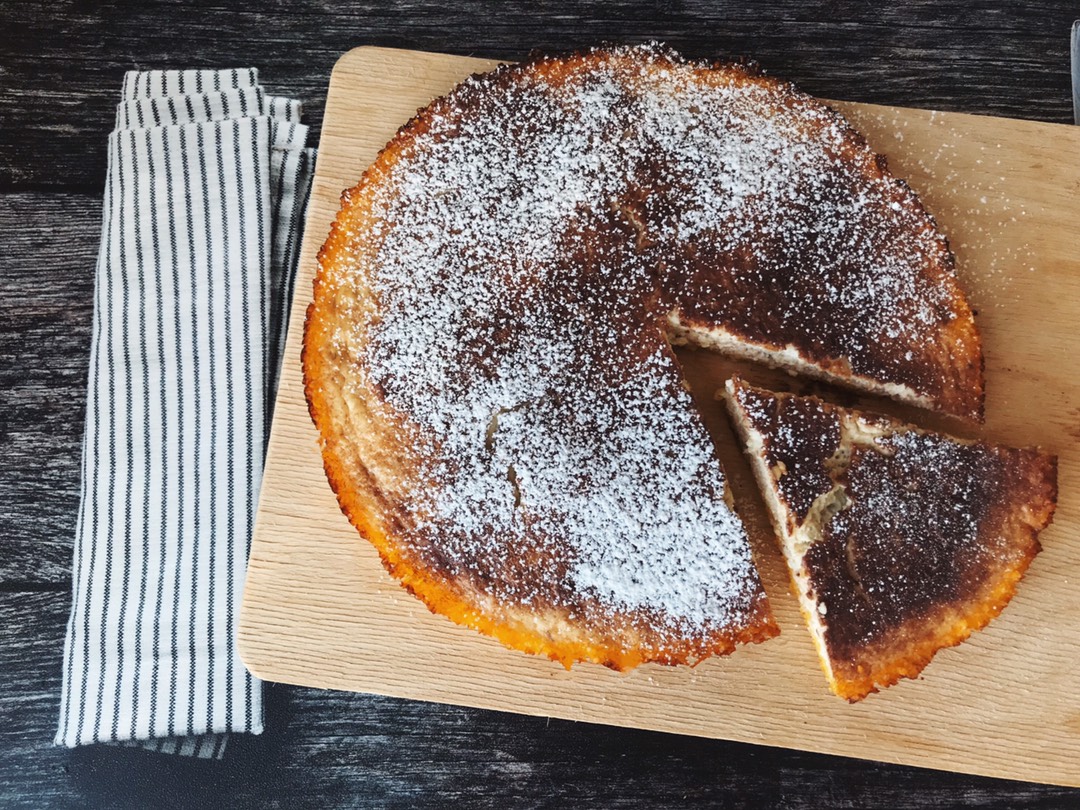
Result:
148,91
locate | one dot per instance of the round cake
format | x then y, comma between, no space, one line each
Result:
488,353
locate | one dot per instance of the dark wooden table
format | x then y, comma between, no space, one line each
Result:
60,70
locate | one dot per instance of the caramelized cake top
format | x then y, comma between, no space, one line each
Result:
486,361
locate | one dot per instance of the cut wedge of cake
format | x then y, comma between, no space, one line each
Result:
900,541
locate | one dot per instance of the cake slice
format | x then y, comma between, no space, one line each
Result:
899,541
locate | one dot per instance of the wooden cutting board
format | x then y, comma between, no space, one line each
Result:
319,610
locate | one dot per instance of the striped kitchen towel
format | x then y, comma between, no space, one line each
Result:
207,183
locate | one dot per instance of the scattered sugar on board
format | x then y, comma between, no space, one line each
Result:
541,412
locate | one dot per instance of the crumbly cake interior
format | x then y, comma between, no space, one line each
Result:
899,541
495,306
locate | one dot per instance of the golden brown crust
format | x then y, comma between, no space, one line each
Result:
560,639
549,633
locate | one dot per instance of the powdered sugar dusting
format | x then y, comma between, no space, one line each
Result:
906,503
521,299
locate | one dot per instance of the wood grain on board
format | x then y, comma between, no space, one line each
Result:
319,609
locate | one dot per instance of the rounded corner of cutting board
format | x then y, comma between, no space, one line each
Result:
363,59
350,61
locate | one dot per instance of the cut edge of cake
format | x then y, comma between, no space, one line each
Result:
788,358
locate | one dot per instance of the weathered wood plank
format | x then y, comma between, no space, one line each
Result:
48,246
335,749
62,67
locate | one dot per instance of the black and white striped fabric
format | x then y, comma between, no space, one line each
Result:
292,167
208,180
